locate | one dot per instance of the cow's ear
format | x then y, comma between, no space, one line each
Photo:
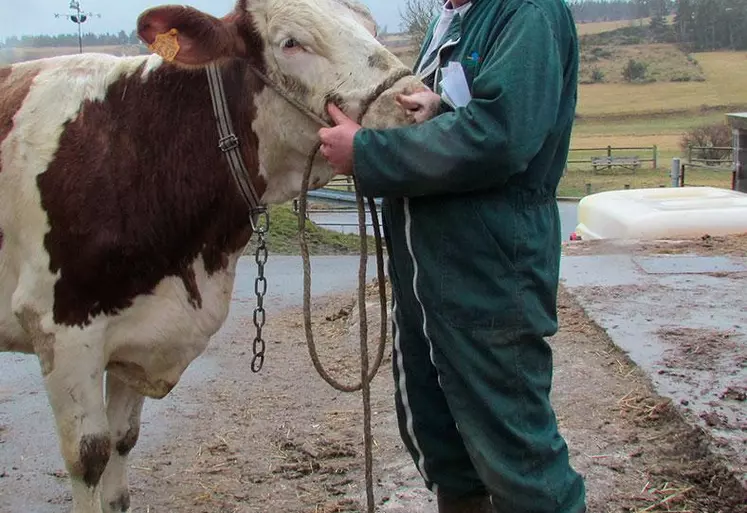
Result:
186,35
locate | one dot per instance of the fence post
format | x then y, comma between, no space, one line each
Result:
588,189
656,156
682,174
675,172
609,156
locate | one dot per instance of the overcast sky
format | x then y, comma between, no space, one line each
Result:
32,17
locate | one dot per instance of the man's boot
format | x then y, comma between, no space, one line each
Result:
466,504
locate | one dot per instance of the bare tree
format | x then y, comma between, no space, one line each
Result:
417,16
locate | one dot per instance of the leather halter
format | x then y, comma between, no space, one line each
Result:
229,143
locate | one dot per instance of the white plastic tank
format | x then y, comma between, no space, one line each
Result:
662,213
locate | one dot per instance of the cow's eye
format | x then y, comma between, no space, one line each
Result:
290,44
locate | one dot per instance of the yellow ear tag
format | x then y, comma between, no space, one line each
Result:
166,45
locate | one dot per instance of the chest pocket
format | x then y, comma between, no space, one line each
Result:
471,65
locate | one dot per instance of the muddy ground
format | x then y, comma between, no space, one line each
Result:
705,245
285,441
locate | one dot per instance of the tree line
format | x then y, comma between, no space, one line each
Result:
698,24
60,40
610,10
711,24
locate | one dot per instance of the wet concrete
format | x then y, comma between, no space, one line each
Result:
30,463
683,320
347,221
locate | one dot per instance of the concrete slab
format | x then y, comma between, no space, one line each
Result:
686,264
683,320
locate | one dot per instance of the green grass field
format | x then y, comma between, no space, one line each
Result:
576,181
659,113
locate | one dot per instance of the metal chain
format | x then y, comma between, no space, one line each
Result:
261,226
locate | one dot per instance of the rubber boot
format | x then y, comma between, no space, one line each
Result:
468,504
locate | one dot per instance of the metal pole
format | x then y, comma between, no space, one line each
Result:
80,35
740,159
675,172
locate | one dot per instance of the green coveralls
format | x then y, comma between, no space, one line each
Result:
473,234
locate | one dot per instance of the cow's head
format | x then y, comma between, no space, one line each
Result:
318,50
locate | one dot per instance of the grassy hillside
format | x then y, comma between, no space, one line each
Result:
599,27
662,63
283,238
724,74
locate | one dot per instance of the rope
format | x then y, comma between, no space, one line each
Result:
367,374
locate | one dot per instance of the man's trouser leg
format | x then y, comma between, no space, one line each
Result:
474,412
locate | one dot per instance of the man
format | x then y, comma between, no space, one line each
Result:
473,235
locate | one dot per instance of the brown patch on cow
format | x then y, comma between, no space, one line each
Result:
380,60
15,83
139,189
1,230
193,291
202,38
93,456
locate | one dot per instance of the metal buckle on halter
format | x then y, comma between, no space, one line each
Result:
228,143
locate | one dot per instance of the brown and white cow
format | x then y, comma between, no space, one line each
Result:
120,223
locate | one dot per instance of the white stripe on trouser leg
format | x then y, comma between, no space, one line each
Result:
415,272
402,386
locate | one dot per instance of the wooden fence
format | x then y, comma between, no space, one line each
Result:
710,156
612,156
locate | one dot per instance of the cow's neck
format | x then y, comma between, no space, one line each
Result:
287,137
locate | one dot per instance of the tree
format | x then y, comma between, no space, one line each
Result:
660,30
711,24
634,71
417,17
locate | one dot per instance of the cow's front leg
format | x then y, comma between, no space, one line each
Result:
123,411
73,374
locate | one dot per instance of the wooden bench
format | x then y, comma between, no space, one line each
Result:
631,163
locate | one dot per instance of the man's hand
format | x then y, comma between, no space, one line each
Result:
421,105
337,142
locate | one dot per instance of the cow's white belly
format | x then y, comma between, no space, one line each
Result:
151,343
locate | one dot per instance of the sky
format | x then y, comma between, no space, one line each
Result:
32,17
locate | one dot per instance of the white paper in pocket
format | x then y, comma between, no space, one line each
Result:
455,90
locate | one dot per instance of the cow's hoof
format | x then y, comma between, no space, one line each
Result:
119,505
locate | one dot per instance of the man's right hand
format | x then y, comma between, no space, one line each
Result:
421,105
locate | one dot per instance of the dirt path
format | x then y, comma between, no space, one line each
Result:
284,441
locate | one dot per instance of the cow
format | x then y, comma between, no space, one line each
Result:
121,221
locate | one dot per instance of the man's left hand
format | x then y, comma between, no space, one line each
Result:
337,141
